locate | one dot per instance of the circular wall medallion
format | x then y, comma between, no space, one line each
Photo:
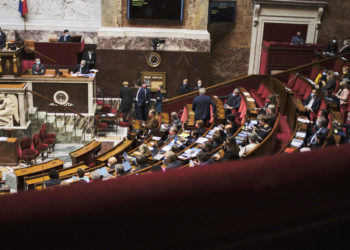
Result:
61,97
153,59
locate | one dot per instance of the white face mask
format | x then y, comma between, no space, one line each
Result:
38,62
334,41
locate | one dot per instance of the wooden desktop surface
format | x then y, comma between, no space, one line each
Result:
86,149
39,168
115,150
12,86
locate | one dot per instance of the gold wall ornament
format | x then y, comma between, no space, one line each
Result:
153,59
8,64
0,65
14,60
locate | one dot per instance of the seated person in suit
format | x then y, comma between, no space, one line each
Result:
231,120
65,37
144,150
81,68
207,147
202,160
193,137
320,128
171,160
217,139
297,40
199,85
253,142
271,99
200,126
172,133
233,101
90,57
119,170
201,106
331,83
263,128
38,68
230,150
271,114
141,162
313,102
53,174
152,122
332,47
175,121
185,87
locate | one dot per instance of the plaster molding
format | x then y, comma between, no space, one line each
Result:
256,14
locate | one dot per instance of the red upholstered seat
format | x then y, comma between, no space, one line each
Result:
307,92
49,135
124,124
338,66
46,138
291,80
314,72
297,85
28,153
41,147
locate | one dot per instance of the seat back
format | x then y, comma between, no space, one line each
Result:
25,143
307,92
291,80
261,89
314,72
36,140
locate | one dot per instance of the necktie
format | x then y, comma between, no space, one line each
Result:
81,67
37,67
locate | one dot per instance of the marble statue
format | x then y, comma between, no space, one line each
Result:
8,110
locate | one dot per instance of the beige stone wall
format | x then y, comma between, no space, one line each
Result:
114,14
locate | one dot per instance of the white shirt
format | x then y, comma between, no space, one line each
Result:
311,103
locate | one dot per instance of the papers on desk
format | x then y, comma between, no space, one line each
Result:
297,143
201,140
83,75
94,70
190,153
3,138
300,134
249,99
150,148
167,147
158,157
110,114
156,138
302,120
164,126
184,135
246,94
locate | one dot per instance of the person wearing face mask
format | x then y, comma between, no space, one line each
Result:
343,93
332,47
81,68
90,57
346,46
65,37
112,162
38,68
321,79
297,40
233,101
320,128
345,73
313,103
185,88
199,85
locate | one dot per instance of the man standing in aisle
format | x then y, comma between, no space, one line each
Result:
201,106
142,100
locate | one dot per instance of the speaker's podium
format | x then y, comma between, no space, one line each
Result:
10,62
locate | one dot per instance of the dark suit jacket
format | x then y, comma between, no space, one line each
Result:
184,89
143,96
68,39
85,69
2,40
52,182
312,138
316,105
232,101
90,62
127,96
332,48
201,107
174,164
331,84
197,88
39,71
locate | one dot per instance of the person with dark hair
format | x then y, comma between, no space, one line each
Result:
90,57
38,68
207,147
53,174
229,130
200,126
141,162
217,139
175,148
201,106
185,87
313,102
231,120
332,47
233,101
204,159
2,39
231,149
263,128
346,46
142,98
81,175
152,123
65,37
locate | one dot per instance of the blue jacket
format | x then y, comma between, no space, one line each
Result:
143,96
201,107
